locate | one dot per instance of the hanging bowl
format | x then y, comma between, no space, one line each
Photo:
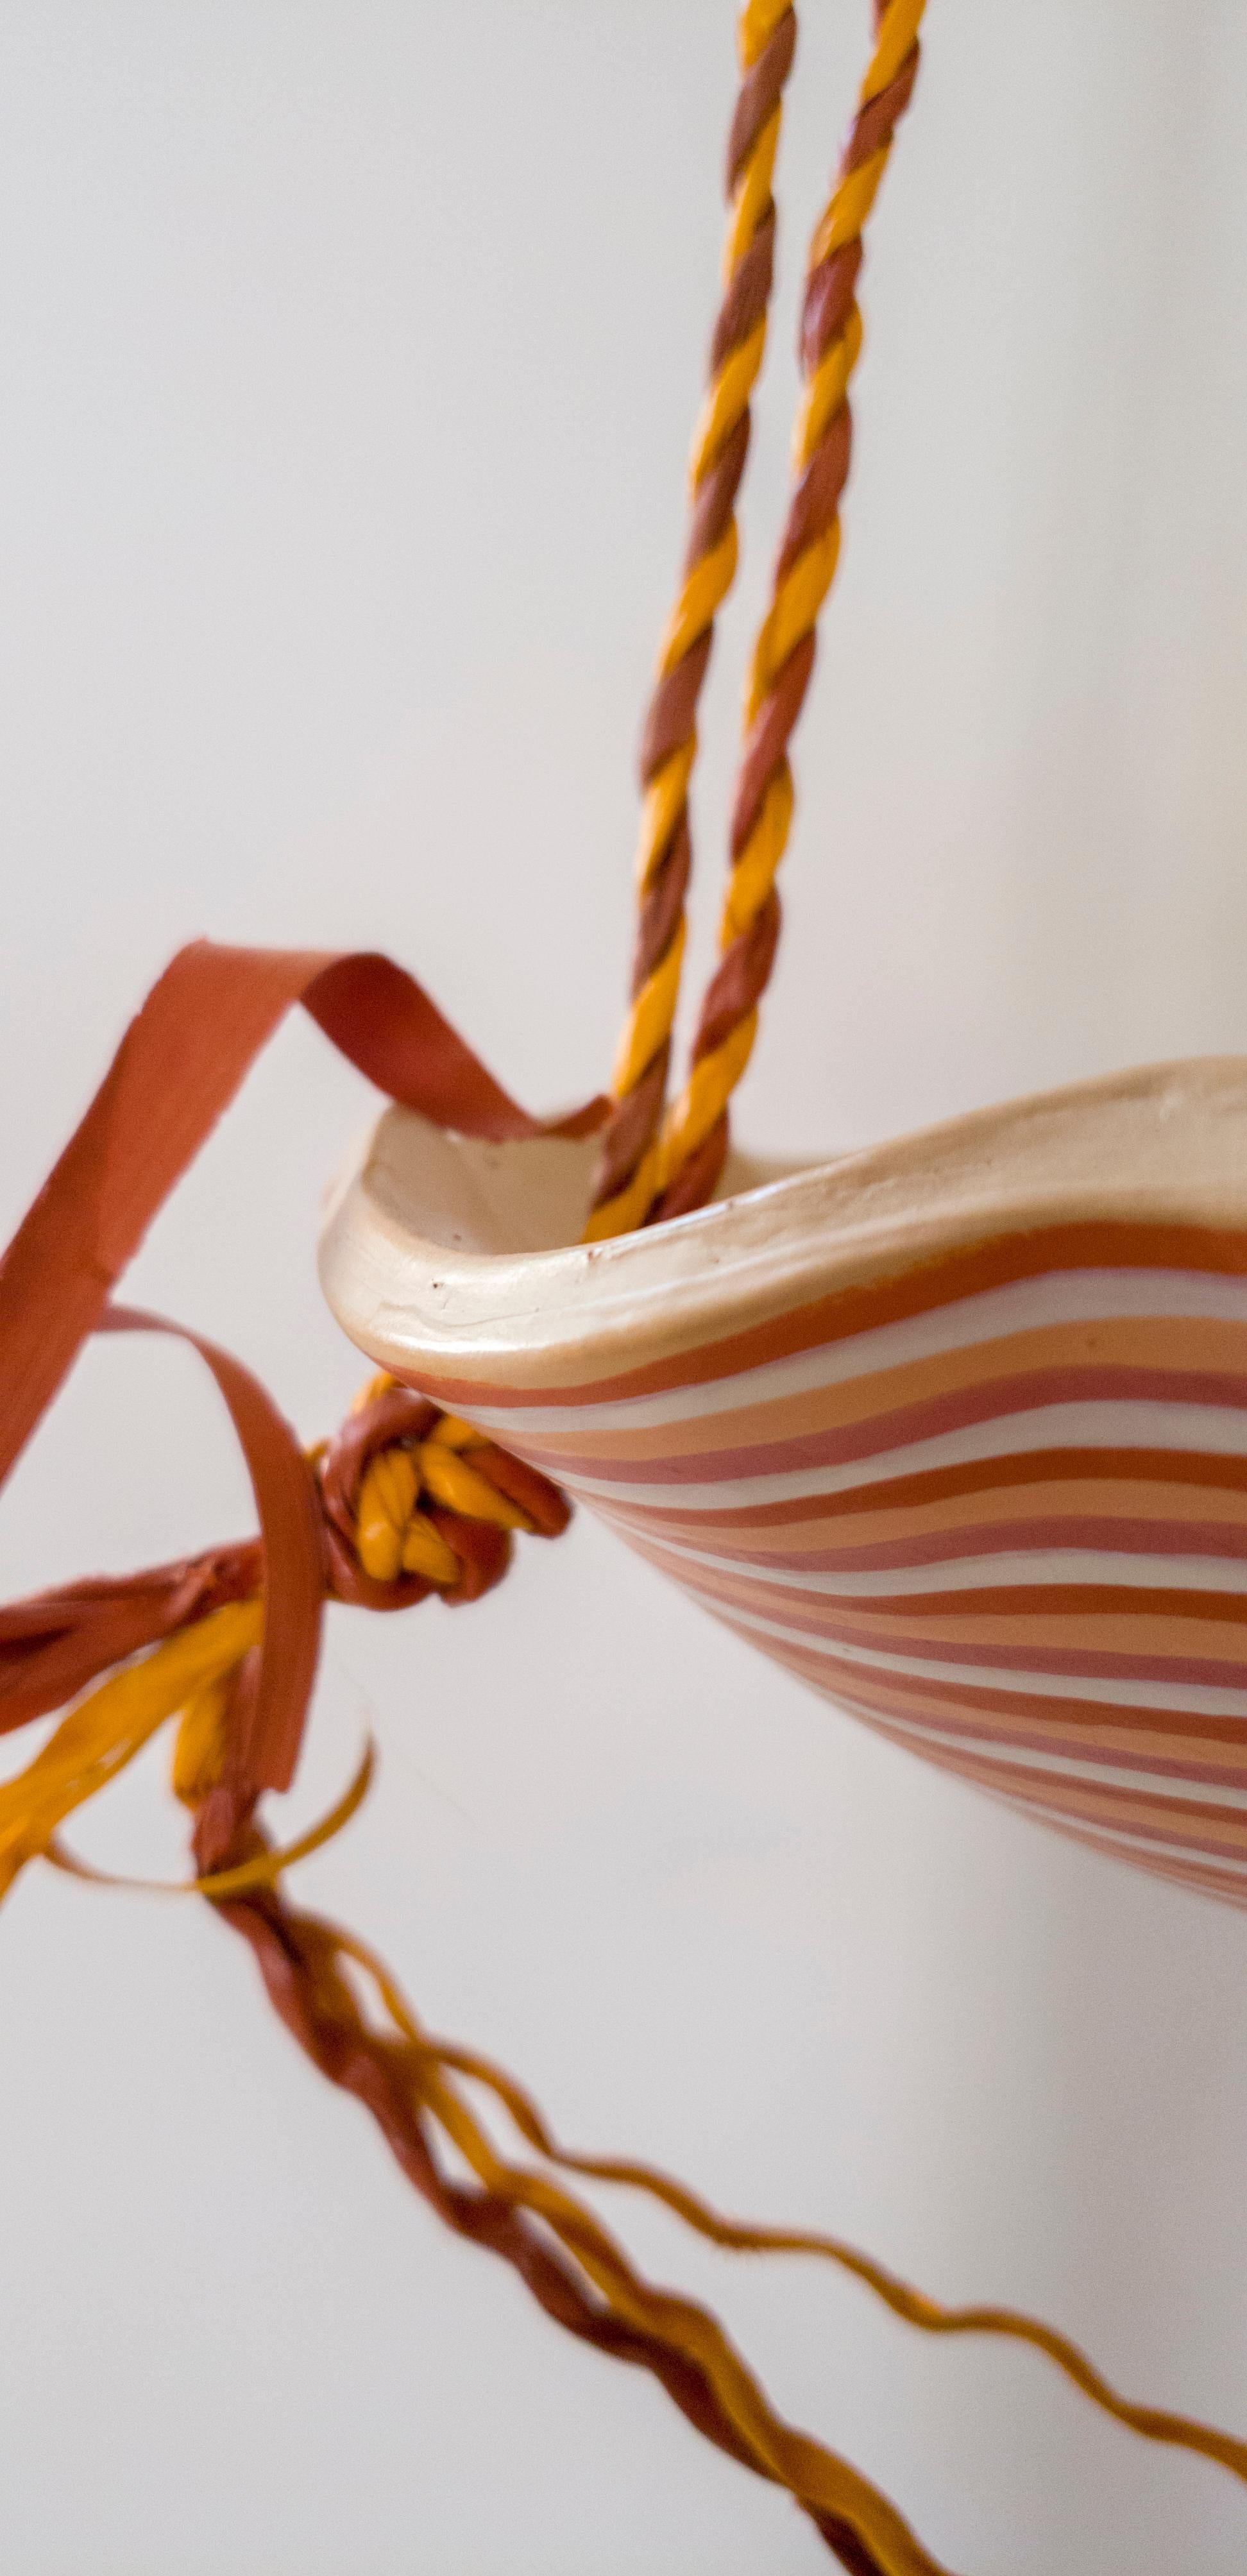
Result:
954,1428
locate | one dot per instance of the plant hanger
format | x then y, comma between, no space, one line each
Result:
953,1429
654,1166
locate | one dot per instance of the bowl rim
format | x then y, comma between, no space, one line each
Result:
417,1266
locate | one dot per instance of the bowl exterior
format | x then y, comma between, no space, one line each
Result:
994,1503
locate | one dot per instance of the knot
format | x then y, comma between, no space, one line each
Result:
415,1501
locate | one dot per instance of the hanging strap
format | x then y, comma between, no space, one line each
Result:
627,1173
695,1135
645,1174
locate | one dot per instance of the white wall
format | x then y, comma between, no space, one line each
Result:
347,361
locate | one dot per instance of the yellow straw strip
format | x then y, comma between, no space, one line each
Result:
113,1723
263,1870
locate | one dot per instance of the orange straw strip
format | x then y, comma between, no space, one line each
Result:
262,1870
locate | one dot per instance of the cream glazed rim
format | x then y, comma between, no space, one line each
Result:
445,1252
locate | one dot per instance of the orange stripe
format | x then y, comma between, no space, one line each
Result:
1215,1351
1126,1473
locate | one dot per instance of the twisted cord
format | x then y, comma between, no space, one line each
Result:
695,1135
567,2259
627,1172
414,2083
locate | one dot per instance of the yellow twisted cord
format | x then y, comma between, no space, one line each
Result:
799,591
1153,2423
818,2478
650,1015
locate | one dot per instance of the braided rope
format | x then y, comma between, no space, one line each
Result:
627,1172
694,1138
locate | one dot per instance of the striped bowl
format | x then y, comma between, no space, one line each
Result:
955,1429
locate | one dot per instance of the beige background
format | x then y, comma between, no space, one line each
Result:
349,356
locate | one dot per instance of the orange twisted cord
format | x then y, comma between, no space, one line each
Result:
694,1139
627,1172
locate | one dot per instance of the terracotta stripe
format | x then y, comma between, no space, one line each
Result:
846,1650
1022,1647
1157,1542
1005,1711
1165,1750
1087,1612
1136,1350
1203,1877
888,1501
905,1425
1216,1831
772,1531
1209,1822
